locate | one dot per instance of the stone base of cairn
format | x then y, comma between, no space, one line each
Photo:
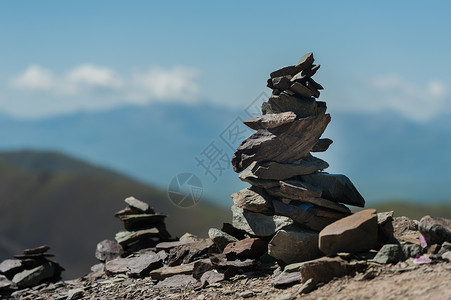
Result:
29,269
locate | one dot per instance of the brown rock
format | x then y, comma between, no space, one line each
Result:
164,272
142,221
254,199
301,90
302,107
190,252
202,266
248,177
107,250
271,120
322,145
170,245
298,139
305,62
435,230
355,233
298,190
126,237
211,277
177,281
247,248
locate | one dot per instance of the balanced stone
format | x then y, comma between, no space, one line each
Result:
33,277
275,170
138,204
141,221
322,145
305,62
248,176
301,90
271,120
37,250
292,244
257,224
298,139
126,237
254,199
302,107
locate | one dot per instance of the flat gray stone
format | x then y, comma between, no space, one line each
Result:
301,90
249,177
280,171
257,224
390,254
164,272
138,205
126,237
292,244
271,120
298,139
254,199
211,277
33,277
5,283
11,266
286,279
142,221
137,266
220,238
177,281
190,252
37,250
337,188
302,107
107,250
298,190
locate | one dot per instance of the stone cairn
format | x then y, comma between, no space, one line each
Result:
291,199
29,269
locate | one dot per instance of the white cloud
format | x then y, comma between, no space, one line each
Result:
178,83
418,102
34,78
93,76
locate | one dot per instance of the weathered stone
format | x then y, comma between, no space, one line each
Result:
100,267
258,224
302,107
286,279
385,232
436,230
295,190
221,261
75,294
271,120
292,244
248,177
306,61
355,233
280,83
235,232
247,248
322,145
5,284
390,253
275,170
254,199
305,73
410,250
201,266
141,221
335,187
137,266
301,215
33,277
446,256
190,252
175,281
37,250
126,237
301,90
312,87
189,237
139,205
107,250
220,238
170,245
307,287
164,272
298,139
11,266
325,269
211,277
127,211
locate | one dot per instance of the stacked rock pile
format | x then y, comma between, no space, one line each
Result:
29,269
144,228
291,199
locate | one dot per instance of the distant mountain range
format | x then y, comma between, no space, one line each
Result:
385,155
49,198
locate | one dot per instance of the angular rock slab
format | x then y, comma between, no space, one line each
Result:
436,230
270,120
33,277
248,177
5,284
254,199
107,250
257,224
137,266
177,281
11,266
292,244
126,237
305,62
335,187
211,277
164,272
322,145
37,250
278,171
289,145
190,252
298,190
247,248
141,221
355,233
138,205
220,238
302,107
301,215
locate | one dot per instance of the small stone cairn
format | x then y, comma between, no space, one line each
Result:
29,269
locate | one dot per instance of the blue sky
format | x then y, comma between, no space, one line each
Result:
59,57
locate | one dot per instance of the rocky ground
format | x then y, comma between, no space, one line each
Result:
404,280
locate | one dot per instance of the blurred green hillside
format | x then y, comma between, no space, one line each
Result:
413,210
49,198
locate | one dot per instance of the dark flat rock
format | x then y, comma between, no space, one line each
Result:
136,266
5,284
305,73
33,277
33,256
305,62
322,145
302,107
337,188
299,190
301,90
141,221
280,83
164,272
37,250
247,248
279,171
126,237
286,279
170,245
211,277
298,139
221,238
249,177
177,281
192,251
